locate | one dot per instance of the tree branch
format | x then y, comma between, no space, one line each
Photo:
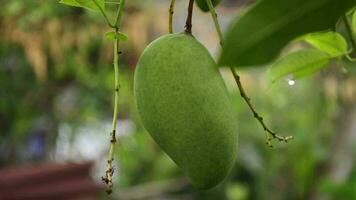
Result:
108,178
240,87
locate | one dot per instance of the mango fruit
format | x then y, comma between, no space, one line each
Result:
202,4
184,104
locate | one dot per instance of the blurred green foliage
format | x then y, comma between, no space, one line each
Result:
78,66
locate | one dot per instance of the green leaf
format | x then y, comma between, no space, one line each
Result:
203,5
257,37
112,36
88,4
331,43
122,36
298,64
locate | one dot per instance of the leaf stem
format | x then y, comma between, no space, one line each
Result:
188,23
171,12
350,32
240,86
214,15
112,2
119,14
108,178
104,14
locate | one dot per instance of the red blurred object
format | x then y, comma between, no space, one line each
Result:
49,181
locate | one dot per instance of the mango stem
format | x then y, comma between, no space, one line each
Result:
188,23
171,12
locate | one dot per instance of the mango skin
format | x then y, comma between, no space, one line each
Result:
184,104
204,6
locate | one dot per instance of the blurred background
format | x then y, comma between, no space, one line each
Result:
56,102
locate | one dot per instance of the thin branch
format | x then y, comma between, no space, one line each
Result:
350,32
240,87
214,15
255,113
188,23
104,14
119,14
171,12
108,178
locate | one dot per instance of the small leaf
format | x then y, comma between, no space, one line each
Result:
112,36
122,36
331,43
257,37
88,4
298,64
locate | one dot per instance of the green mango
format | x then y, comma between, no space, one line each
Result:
185,106
202,4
